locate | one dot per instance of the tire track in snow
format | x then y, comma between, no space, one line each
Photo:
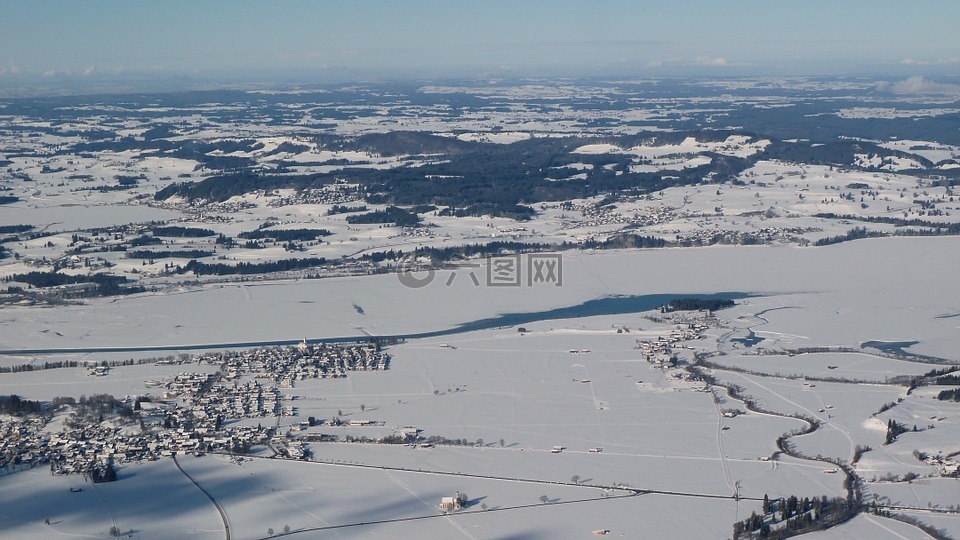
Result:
223,515
404,485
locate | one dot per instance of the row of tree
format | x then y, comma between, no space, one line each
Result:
855,233
927,227
175,254
14,405
696,304
792,516
949,395
220,269
14,229
182,232
392,214
285,235
55,279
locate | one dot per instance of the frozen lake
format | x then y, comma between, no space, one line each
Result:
72,217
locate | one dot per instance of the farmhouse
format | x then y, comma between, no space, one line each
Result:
449,504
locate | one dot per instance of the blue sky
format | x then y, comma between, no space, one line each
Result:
347,39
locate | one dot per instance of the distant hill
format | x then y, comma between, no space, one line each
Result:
396,143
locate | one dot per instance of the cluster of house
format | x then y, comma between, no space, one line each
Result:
286,365
416,232
193,409
202,211
288,449
70,261
186,384
689,327
229,401
86,449
946,465
334,194
765,235
17,441
91,448
597,215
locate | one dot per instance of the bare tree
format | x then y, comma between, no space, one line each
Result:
544,499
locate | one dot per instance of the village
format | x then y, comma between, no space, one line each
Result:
200,224
688,326
308,362
194,413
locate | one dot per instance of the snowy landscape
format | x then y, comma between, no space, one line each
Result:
675,308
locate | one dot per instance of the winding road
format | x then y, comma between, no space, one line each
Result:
223,515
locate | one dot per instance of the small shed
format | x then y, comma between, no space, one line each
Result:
449,504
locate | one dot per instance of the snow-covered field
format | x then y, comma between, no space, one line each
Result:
835,366
556,430
152,500
528,390
840,306
120,381
867,526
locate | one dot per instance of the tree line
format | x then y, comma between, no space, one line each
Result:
15,229
54,279
58,364
855,233
933,228
285,235
176,254
392,214
695,304
792,516
14,405
220,269
103,284
949,395
182,232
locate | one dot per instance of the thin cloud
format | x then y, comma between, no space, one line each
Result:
711,61
921,85
954,60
